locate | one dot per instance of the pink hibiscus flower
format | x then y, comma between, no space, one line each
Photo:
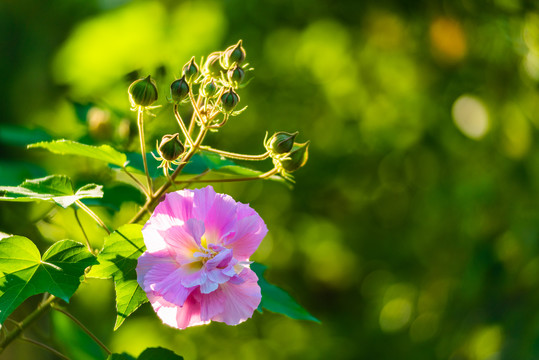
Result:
196,267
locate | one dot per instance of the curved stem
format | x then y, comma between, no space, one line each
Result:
182,125
140,122
235,155
195,107
93,215
192,121
170,180
141,186
259,177
83,232
81,325
37,343
36,314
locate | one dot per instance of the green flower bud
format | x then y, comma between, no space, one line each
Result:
236,75
179,89
297,157
234,54
171,147
209,89
282,142
143,92
212,66
190,70
229,100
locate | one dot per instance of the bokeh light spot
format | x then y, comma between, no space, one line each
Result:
470,116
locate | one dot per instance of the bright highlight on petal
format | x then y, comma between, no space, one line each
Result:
196,268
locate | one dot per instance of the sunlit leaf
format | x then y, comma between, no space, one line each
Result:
118,260
57,188
277,300
157,353
24,273
104,153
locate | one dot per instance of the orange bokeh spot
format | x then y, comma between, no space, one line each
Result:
448,40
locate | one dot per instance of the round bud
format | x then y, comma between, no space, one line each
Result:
282,142
190,70
229,100
236,75
296,158
171,147
209,89
234,54
212,66
143,92
179,89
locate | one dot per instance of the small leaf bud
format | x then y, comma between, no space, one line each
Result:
212,66
236,75
282,142
179,89
190,70
143,92
209,89
296,158
234,54
229,100
171,147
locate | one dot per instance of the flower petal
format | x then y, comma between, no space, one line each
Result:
220,218
250,230
241,300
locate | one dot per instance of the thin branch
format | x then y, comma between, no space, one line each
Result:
93,215
182,125
235,155
84,328
83,232
141,186
192,121
259,177
195,106
46,347
157,195
41,309
140,122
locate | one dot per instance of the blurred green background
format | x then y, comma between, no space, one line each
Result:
412,232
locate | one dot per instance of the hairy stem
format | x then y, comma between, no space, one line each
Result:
36,314
93,215
84,328
46,347
140,122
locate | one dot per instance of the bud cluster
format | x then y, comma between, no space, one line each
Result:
211,89
287,155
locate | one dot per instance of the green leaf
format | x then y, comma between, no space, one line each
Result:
277,300
122,356
68,147
118,260
157,353
57,188
24,273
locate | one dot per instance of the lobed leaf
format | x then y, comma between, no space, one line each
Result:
118,260
277,300
104,153
57,188
23,272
